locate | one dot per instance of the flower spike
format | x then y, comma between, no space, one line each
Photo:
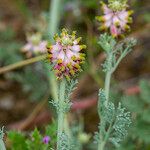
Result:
65,55
116,18
35,45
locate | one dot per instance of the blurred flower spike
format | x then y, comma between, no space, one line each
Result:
65,55
46,139
116,18
34,45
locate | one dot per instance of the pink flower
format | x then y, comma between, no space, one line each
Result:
46,139
35,45
115,20
65,54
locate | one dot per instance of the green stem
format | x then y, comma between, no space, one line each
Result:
103,141
22,63
108,76
107,85
101,146
67,129
60,129
61,114
2,145
54,17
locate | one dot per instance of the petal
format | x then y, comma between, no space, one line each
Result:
123,15
61,55
42,46
116,19
108,23
36,49
106,9
114,30
56,47
123,24
69,54
108,17
27,47
75,48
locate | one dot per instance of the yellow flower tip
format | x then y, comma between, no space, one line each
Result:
130,20
100,18
77,66
82,47
82,58
82,55
74,33
49,48
130,12
59,61
102,27
48,45
79,39
82,62
56,37
127,28
49,56
73,57
117,23
102,3
62,68
72,72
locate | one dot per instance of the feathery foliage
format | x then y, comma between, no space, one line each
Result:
115,122
139,106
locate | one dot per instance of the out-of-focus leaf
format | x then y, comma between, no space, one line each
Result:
17,140
142,131
133,104
146,115
145,91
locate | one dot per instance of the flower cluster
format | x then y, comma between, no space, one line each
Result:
34,45
116,18
65,55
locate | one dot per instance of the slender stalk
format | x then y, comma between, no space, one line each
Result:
22,63
61,114
101,144
54,17
67,129
107,85
108,76
2,145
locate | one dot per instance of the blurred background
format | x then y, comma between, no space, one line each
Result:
25,90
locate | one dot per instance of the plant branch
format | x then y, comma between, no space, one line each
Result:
127,50
21,64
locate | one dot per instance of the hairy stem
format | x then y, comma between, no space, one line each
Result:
2,145
61,114
67,129
101,144
107,85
